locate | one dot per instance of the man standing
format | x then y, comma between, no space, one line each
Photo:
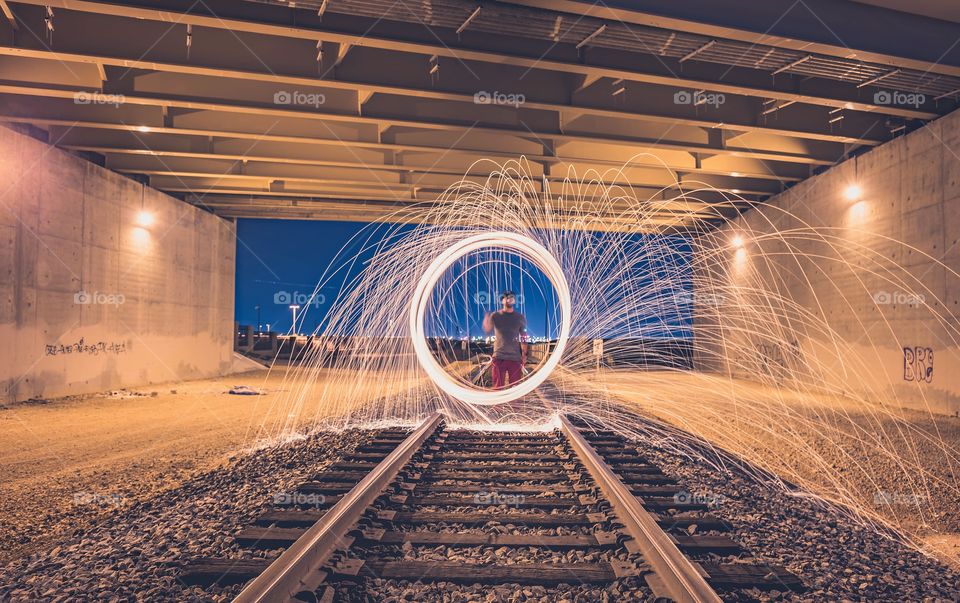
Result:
510,348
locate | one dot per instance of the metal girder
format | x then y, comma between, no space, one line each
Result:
408,177
254,206
75,111
754,187
370,117
657,104
755,169
5,8
691,205
838,29
225,14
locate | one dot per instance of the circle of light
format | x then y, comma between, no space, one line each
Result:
536,253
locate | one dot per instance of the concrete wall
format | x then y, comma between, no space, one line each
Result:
89,300
875,281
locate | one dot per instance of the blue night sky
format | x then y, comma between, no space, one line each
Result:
279,262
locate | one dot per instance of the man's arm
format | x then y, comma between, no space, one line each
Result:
524,346
488,323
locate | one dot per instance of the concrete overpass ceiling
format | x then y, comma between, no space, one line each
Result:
260,107
945,10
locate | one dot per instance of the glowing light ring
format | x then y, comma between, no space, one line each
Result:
536,253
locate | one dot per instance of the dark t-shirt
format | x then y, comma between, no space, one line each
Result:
507,327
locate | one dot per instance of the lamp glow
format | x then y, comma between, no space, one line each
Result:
144,218
853,192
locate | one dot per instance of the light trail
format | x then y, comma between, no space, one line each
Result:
420,303
795,362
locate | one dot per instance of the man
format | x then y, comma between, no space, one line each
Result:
510,348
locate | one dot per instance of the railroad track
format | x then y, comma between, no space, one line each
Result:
570,510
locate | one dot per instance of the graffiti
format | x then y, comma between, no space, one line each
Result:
82,347
918,364
777,358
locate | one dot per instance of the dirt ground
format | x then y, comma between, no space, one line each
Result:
901,467
65,462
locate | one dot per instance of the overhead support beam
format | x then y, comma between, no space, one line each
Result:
952,93
362,97
760,170
640,108
5,7
384,121
342,50
469,20
655,73
840,29
790,66
773,106
666,45
586,81
590,38
879,78
694,53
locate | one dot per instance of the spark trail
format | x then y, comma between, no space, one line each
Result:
763,373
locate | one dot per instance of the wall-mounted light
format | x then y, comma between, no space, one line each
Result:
737,242
144,218
143,129
853,192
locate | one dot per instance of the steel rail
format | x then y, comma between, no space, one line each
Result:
299,567
682,580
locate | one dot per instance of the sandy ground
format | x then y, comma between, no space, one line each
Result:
65,464
897,466
62,459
